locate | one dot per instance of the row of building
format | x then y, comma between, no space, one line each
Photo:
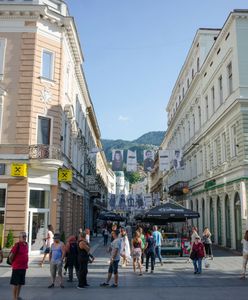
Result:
208,121
52,167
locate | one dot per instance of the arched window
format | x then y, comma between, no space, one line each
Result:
219,218
227,221
238,221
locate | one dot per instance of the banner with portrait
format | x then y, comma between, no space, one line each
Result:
130,201
122,202
164,160
131,161
177,159
117,160
112,202
139,202
148,160
148,200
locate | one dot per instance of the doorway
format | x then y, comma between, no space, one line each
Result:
37,229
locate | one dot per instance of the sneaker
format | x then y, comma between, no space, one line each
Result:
51,286
104,284
140,274
87,284
146,270
152,271
114,285
62,286
161,264
80,287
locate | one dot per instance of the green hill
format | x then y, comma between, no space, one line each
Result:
150,140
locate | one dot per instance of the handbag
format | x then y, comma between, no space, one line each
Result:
206,263
11,256
193,255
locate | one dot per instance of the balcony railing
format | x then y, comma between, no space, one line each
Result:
45,152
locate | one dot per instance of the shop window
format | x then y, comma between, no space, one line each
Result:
38,199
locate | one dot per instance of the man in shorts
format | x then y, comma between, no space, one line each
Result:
19,258
114,261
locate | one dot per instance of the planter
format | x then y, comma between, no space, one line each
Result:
6,252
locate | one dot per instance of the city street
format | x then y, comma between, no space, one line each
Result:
173,280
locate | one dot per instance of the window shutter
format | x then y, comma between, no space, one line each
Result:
3,43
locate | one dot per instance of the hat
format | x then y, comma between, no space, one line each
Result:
56,236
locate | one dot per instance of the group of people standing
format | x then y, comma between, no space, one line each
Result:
141,246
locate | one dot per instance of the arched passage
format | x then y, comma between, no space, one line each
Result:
211,216
227,221
238,221
219,217
203,213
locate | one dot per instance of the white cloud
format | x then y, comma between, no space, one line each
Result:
123,119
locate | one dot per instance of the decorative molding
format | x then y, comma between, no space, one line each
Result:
46,98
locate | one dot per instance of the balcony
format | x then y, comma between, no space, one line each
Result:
45,157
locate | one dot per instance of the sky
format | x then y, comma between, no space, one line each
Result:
133,52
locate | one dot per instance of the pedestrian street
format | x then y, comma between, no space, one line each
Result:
174,280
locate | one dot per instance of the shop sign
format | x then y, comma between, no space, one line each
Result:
19,170
209,183
65,175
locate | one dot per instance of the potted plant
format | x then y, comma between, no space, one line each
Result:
9,243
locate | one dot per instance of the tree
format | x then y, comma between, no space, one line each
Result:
133,177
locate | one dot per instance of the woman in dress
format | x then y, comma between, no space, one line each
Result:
125,248
245,254
206,239
137,252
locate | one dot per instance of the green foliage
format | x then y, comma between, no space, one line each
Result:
10,239
62,238
133,177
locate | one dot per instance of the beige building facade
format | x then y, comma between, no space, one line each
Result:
207,121
48,127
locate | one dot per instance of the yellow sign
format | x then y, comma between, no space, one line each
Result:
19,170
65,175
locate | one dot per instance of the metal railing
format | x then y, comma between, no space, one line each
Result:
44,152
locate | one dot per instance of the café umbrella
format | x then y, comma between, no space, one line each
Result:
111,216
169,213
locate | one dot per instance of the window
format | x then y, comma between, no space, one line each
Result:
206,107
188,83
183,92
208,157
3,43
39,199
220,89
234,143
223,147
193,124
193,73
2,198
213,98
47,64
198,64
215,153
230,80
189,129
199,116
1,115
44,127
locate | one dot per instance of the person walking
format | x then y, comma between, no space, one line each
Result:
158,241
197,253
114,261
83,260
206,239
150,250
143,240
125,247
48,242
56,258
105,234
71,249
245,254
19,258
137,252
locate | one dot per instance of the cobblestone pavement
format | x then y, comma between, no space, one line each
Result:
173,280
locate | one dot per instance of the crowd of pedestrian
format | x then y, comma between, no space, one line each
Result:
141,248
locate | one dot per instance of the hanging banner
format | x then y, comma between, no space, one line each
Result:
131,201
65,175
131,161
177,159
122,202
148,200
117,160
148,160
164,160
19,170
139,201
112,202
